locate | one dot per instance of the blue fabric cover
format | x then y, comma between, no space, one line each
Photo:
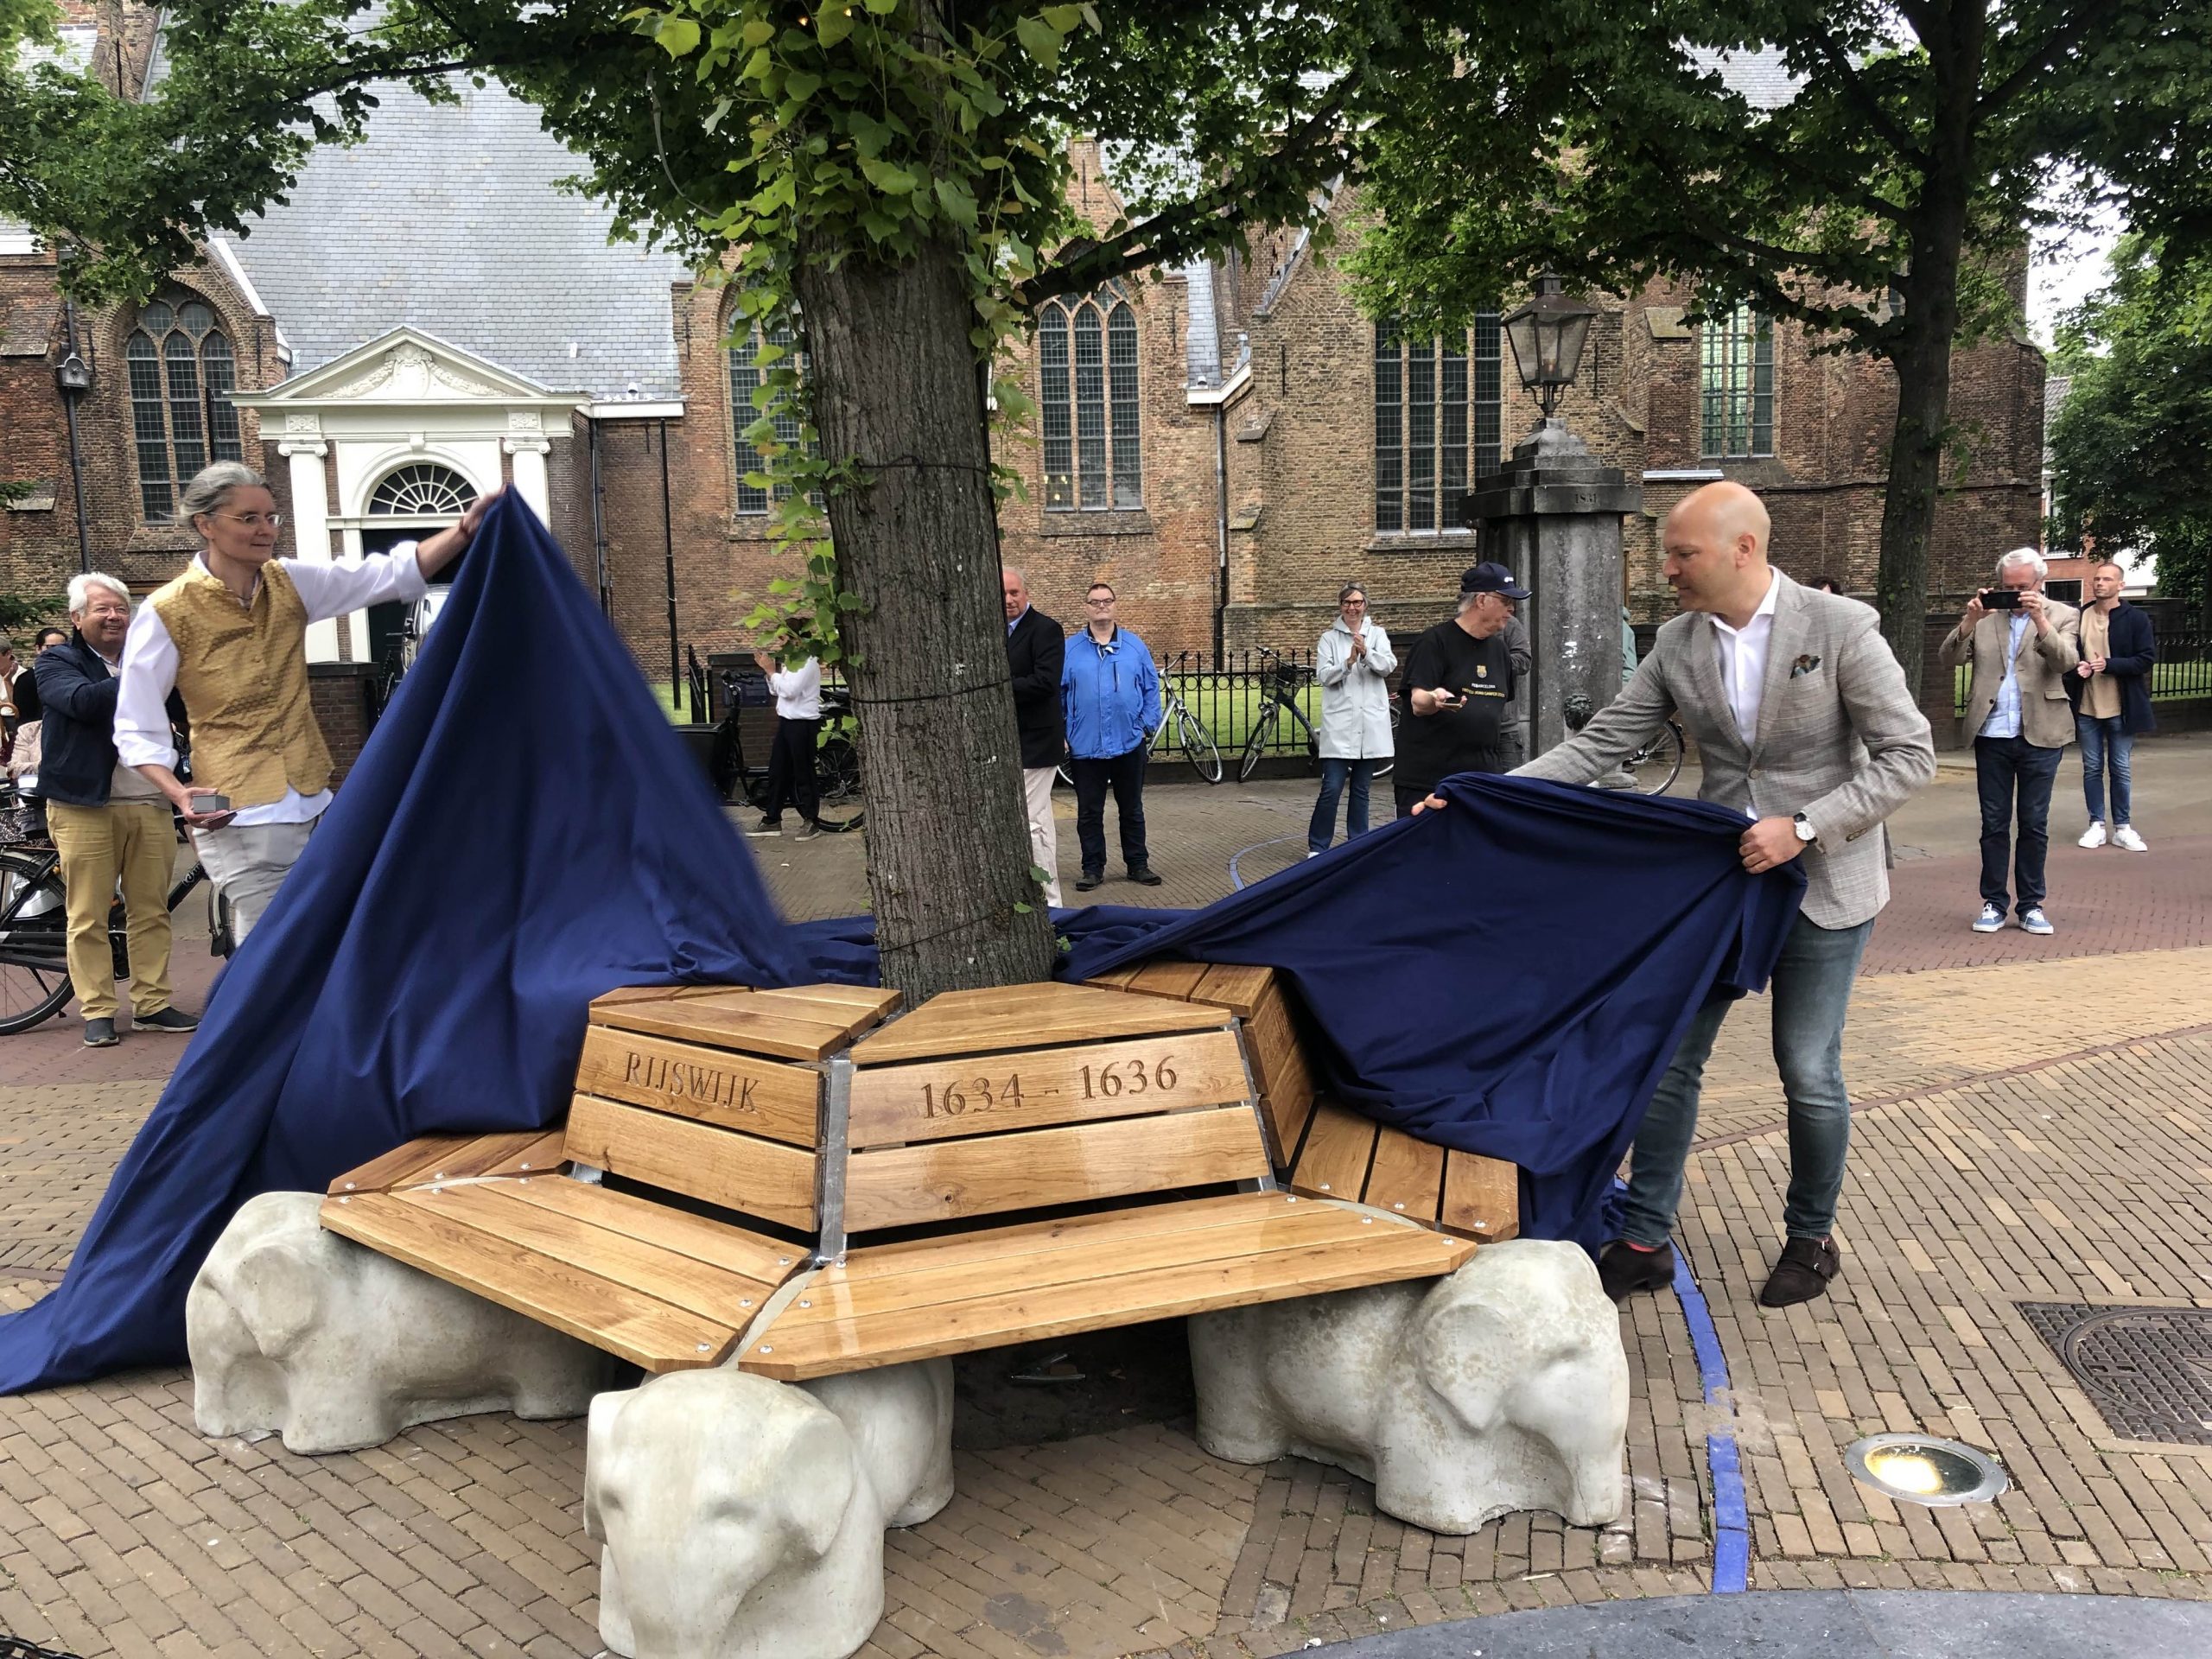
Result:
523,831
1509,977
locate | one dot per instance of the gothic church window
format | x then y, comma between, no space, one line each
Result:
748,374
181,374
1736,381
1087,384
1438,413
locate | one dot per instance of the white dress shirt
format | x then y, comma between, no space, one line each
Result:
1742,661
328,589
798,690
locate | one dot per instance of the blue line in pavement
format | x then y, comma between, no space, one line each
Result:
1732,1542
1237,881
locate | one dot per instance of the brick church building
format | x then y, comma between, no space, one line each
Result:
1228,443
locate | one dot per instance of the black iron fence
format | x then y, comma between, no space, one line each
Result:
2184,668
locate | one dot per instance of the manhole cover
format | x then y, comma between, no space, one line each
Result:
2149,1369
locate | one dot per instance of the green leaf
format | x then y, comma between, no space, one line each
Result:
958,202
1065,19
758,33
678,36
831,26
1039,39
799,86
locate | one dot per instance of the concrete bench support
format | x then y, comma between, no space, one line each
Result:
1500,1387
742,1518
296,1330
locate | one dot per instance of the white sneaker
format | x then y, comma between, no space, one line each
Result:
2126,837
2095,837
1990,920
2034,921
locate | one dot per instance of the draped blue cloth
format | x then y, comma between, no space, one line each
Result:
525,831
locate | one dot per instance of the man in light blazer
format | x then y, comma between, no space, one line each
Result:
1804,723
2022,720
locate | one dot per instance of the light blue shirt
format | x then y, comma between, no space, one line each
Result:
2005,713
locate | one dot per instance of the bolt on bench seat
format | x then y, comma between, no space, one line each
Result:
801,1118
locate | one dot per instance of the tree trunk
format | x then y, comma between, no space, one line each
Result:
1922,361
895,388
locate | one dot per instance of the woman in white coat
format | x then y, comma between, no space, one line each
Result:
1354,663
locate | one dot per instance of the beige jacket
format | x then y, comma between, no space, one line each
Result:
1840,737
2043,662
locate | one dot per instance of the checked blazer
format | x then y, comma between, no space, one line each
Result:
1840,737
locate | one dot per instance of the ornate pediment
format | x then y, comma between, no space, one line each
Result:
403,366
411,373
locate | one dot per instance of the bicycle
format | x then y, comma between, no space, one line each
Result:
1284,681
836,754
1659,762
1190,738
35,919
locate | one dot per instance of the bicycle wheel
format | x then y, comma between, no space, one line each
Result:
1198,745
1313,739
1659,762
1390,761
33,941
1262,729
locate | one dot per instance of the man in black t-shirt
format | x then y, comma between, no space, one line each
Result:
1457,684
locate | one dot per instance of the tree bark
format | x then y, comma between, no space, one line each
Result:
1922,359
896,388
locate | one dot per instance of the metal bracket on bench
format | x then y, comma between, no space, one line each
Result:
832,1134
589,1174
1266,1183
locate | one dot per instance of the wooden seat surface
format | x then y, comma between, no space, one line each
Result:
1349,1157
805,1023
1025,1016
1038,1281
456,1157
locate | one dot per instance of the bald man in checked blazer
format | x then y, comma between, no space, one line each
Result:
1804,723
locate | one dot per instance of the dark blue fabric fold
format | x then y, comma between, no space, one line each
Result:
523,831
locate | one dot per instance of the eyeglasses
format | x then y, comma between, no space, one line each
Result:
1098,604
253,520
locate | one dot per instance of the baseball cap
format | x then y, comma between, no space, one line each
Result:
1489,578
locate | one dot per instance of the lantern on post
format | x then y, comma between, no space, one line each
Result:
1547,335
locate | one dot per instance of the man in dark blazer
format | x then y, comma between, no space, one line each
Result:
2111,691
1035,651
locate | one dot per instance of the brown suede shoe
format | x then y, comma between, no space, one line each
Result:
1803,1273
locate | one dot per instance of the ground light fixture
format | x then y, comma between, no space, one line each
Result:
1920,1469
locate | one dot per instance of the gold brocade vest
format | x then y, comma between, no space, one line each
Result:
243,673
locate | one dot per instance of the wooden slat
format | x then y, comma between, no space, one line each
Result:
753,1254
580,1304
1026,1016
714,1085
1338,1148
1482,1196
896,1186
849,1008
708,1020
624,994
1175,979
738,1172
1119,979
1286,1125
1081,1232
797,1349
1278,1061
1238,989
389,1169
1033,1088
1408,1176
681,1281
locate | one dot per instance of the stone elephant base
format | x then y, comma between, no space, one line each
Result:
1501,1386
295,1330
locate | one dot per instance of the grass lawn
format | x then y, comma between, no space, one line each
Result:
2167,680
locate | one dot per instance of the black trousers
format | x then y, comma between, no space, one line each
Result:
2008,770
1124,774
791,770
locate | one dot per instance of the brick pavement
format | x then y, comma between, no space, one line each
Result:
2033,1127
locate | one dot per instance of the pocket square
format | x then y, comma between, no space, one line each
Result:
1803,665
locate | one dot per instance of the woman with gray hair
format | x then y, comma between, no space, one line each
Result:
110,825
229,634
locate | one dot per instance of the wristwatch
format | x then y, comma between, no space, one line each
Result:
1806,833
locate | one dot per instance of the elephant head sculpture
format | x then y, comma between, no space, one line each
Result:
1500,1387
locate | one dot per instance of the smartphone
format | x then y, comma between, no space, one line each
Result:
2001,599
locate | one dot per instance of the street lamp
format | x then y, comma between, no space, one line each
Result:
1547,334
74,378
73,375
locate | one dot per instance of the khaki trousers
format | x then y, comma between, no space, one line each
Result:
248,863
134,843
1044,840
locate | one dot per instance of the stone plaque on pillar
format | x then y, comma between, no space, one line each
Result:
1553,516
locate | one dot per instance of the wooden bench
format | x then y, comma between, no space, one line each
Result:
724,1146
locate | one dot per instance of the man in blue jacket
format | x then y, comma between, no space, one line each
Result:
1109,694
108,824
2111,690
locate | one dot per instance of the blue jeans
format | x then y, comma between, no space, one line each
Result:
1323,830
1811,992
2103,742
2005,767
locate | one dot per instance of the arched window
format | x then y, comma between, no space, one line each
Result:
423,490
1087,365
181,375
1736,378
1438,408
746,376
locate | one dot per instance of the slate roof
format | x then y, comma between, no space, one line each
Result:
447,218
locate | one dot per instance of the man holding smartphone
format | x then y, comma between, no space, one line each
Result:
2023,646
1458,683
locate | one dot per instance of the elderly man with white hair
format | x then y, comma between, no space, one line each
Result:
110,824
2023,646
